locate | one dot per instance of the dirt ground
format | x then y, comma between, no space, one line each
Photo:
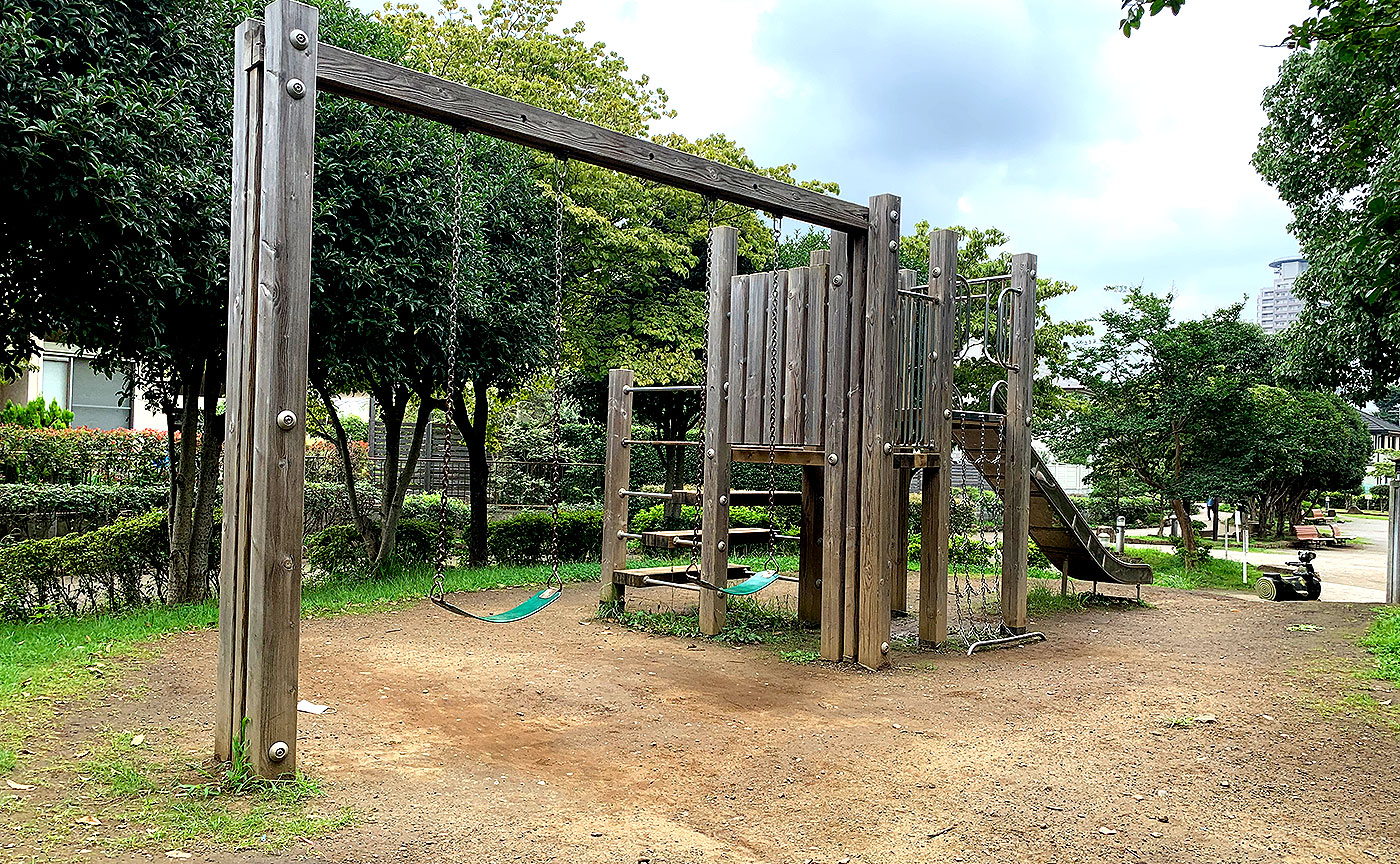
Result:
571,739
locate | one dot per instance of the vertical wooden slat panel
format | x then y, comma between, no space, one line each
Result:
756,359
909,359
794,354
1018,456
938,485
814,388
242,340
899,547
878,421
837,363
279,453
809,567
738,353
714,529
857,256
617,468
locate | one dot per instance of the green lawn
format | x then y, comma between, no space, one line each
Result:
1383,640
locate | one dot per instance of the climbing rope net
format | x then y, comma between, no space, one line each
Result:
975,557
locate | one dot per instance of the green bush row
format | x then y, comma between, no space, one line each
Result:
121,564
82,456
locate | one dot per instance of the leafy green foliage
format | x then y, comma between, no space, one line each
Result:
77,456
22,504
1134,10
36,414
525,538
337,550
1383,640
118,565
1330,149
1160,397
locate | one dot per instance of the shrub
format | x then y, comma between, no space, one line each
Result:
789,517
525,537
324,465
75,456
121,564
30,511
338,550
428,508
36,415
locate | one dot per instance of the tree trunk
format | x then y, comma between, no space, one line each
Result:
184,476
473,432
211,444
1188,531
368,536
393,503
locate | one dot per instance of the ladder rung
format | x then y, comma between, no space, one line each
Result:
627,441
630,493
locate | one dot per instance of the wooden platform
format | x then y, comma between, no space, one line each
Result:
781,455
741,497
667,539
635,577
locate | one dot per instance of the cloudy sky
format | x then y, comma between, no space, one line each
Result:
1118,161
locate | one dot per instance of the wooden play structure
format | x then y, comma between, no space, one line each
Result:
856,386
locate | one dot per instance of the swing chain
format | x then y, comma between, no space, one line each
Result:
439,589
773,298
560,181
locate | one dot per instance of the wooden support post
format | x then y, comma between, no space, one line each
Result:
1018,456
617,468
809,561
714,494
269,320
833,436
855,264
877,414
1392,552
938,484
899,555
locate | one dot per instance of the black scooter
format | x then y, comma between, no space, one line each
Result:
1302,584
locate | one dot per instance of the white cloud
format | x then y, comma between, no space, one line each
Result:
1117,160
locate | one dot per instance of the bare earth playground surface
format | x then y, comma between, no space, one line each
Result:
574,739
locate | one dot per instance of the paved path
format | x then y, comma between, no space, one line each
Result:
1350,574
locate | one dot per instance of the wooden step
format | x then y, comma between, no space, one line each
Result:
667,539
741,497
635,577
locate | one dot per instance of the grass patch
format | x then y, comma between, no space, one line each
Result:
799,655
1042,602
747,623
1382,639
166,803
1168,570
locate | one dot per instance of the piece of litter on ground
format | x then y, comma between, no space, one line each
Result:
1204,718
176,853
88,820
138,740
19,787
1104,830
311,707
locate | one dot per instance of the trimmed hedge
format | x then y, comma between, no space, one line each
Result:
74,456
338,550
29,510
122,564
525,538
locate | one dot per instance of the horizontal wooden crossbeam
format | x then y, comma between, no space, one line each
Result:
391,86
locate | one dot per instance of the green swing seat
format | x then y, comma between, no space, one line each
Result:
752,585
533,604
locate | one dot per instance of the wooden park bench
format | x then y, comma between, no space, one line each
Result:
1309,536
1335,537
1317,515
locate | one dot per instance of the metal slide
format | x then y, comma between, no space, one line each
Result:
1058,527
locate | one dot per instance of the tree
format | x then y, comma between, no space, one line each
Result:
1329,20
1291,444
1159,397
634,294
114,127
1330,148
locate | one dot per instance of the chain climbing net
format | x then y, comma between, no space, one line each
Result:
975,555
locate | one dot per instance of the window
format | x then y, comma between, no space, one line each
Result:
98,401
55,381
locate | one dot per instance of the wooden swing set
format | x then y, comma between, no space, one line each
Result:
864,395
